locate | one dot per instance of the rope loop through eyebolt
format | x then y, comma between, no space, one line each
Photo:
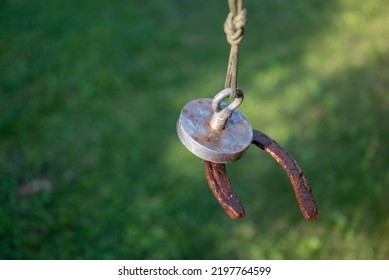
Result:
222,114
234,29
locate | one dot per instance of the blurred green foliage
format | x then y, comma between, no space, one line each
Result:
90,164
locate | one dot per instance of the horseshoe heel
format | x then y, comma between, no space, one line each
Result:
220,185
296,176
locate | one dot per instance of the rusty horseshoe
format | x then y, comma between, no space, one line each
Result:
220,185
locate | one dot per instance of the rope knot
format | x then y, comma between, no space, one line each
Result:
234,27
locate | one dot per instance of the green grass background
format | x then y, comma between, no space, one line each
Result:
90,92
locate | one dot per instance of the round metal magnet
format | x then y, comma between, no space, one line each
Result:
202,132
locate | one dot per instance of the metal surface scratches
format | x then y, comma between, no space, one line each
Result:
220,185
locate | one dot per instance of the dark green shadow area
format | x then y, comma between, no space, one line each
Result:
90,164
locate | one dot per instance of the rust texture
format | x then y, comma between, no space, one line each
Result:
221,187
300,184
